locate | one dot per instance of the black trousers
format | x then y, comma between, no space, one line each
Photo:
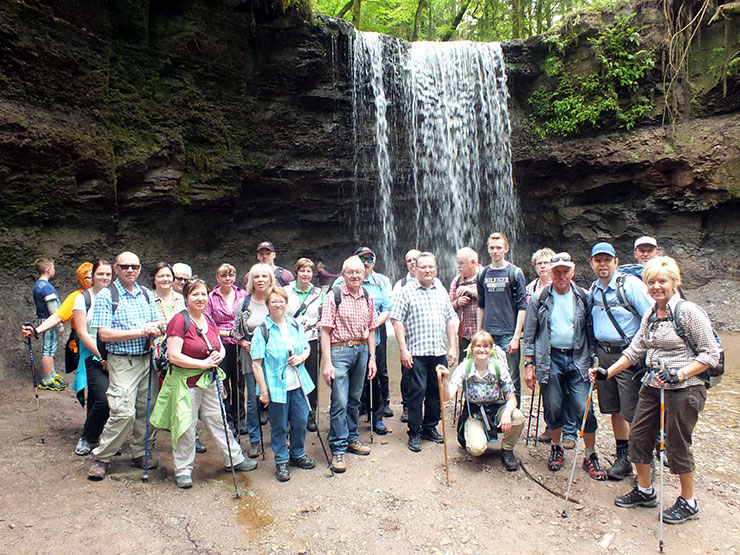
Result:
236,411
423,390
312,367
97,402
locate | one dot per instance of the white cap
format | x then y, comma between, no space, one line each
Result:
646,240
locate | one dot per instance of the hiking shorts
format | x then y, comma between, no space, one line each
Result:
50,340
619,394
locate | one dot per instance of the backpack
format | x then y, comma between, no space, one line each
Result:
632,269
338,296
115,298
580,295
621,299
280,277
712,376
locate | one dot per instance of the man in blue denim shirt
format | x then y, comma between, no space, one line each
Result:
558,344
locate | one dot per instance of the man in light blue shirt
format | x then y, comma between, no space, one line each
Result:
619,301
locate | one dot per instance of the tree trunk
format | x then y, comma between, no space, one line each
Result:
417,21
356,13
345,9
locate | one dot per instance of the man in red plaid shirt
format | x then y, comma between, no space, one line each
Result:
464,295
346,352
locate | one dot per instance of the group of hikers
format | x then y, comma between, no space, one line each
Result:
156,358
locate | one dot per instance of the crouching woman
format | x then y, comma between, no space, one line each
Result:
489,402
194,349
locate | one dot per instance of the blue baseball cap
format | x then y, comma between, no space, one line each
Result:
603,248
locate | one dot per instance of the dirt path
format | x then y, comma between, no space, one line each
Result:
392,500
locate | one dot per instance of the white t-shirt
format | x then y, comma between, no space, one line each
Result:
80,305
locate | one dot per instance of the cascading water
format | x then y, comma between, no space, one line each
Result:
432,138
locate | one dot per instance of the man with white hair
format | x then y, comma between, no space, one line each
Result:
181,272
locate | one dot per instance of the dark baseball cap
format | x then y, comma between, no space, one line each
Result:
265,245
364,251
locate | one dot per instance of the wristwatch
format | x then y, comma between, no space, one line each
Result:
528,363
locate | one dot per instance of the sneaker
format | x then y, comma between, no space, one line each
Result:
621,468
432,435
58,379
97,470
380,428
555,462
51,385
592,466
636,498
140,461
282,472
387,411
305,462
509,460
568,443
337,463
83,447
405,415
544,437
245,466
183,482
199,447
680,512
254,450
358,448
415,443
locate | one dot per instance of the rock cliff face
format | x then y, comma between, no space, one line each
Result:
193,130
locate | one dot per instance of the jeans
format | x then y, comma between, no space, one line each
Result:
564,395
97,402
350,364
423,389
381,360
253,413
295,412
513,361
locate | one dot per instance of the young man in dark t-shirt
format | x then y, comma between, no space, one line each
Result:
502,304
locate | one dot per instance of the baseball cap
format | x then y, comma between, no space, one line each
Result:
562,259
265,245
603,248
364,250
646,240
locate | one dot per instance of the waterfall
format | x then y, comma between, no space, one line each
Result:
431,131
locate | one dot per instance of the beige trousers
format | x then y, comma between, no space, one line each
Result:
476,441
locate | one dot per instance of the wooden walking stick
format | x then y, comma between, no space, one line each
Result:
444,427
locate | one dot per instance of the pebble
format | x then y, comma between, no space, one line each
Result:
606,540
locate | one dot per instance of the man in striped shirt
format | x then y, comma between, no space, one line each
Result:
345,350
422,316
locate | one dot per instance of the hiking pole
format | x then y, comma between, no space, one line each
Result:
238,397
454,413
312,415
595,364
35,381
444,426
537,423
145,476
661,362
370,414
214,376
529,423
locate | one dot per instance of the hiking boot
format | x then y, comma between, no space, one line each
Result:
245,466
636,498
254,450
311,424
680,512
387,411
337,463
282,472
199,447
183,482
544,437
83,447
432,435
51,385
405,415
555,462
305,462
358,448
380,428
592,466
139,462
415,443
622,467
568,443
58,379
97,470
509,460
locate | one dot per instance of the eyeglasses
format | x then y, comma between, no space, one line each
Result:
129,266
354,273
368,259
410,260
180,278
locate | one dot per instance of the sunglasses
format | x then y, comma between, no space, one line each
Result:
368,259
183,279
129,266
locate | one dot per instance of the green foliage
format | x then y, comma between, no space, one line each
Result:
576,103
